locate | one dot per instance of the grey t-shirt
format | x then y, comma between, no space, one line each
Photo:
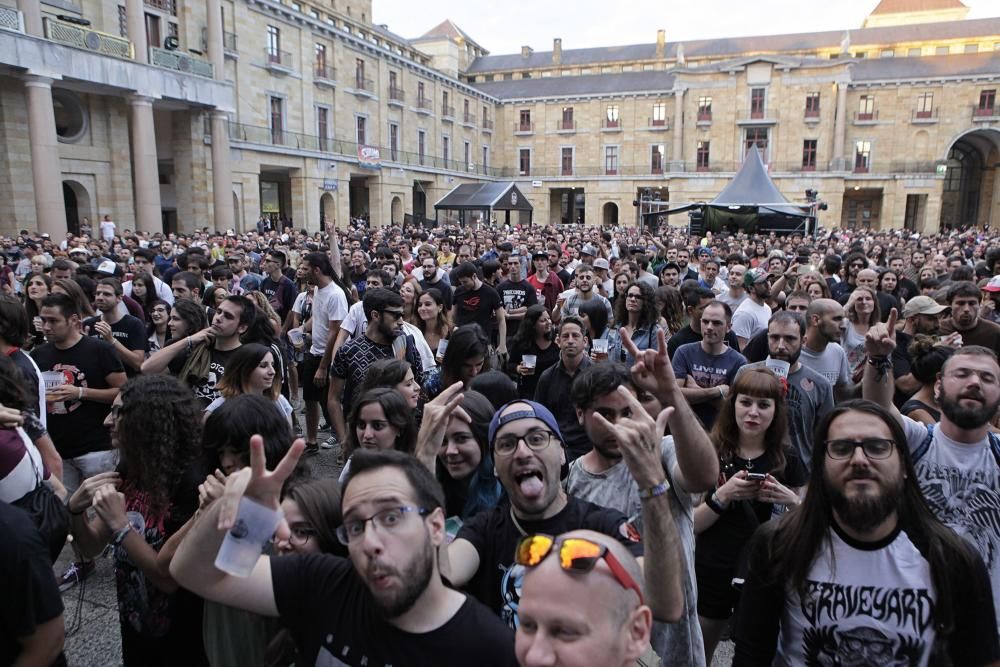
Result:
810,396
831,363
678,643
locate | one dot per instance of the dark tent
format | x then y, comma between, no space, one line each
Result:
485,198
750,203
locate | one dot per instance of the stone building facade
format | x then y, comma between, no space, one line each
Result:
174,115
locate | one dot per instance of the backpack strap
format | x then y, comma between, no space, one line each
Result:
922,448
994,446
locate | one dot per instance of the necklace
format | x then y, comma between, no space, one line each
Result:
517,525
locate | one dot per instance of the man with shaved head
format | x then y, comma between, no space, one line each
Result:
821,350
561,625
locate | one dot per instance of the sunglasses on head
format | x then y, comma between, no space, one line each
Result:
576,554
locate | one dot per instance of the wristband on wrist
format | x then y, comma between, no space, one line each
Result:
714,505
652,492
79,395
120,536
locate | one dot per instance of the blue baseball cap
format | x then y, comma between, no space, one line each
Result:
531,410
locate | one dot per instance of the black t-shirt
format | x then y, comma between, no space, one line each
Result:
281,294
721,544
28,589
206,391
516,295
77,427
129,331
688,335
476,306
493,533
333,620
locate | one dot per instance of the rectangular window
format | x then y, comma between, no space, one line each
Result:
524,162
703,156
925,105
486,116
756,102
421,145
468,156
659,114
611,115
862,156
887,53
362,125
610,160
465,108
756,136
705,108
809,155
486,158
524,124
359,74
987,102
445,150
656,155
277,105
320,55
446,110
567,161
394,142
393,81
322,127
812,105
866,107
421,98
567,119
273,44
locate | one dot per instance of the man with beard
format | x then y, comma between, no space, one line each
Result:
387,605
603,477
965,300
854,263
821,350
384,309
528,455
862,573
569,302
920,316
957,460
752,316
123,332
809,395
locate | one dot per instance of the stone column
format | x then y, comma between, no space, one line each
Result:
840,129
216,43
32,12
46,174
222,173
145,170
677,159
135,17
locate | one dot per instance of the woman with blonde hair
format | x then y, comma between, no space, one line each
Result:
862,313
410,290
265,308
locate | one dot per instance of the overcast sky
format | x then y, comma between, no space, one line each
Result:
503,26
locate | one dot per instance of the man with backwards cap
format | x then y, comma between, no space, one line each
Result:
528,456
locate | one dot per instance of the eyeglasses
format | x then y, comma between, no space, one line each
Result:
396,314
633,295
535,440
387,520
298,535
576,554
874,448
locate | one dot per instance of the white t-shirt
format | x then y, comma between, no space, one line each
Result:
329,303
163,291
831,363
750,319
961,484
107,230
862,603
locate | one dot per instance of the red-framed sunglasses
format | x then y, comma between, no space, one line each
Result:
576,554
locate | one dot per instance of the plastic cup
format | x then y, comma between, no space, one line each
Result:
778,367
53,379
442,346
297,337
600,348
242,546
529,361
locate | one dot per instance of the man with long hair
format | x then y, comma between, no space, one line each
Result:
862,572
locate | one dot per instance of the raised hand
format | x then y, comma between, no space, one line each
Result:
639,438
435,421
83,497
880,341
652,371
257,482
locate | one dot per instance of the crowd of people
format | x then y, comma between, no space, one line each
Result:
787,441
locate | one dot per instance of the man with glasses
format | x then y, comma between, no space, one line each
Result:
862,572
386,605
528,455
564,578
957,460
384,309
276,286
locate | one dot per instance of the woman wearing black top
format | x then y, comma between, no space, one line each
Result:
759,477
534,336
926,360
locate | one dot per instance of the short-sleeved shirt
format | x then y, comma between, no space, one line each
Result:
516,295
334,621
280,294
207,390
329,303
572,304
493,533
678,643
750,318
354,358
77,427
478,305
707,370
985,333
831,363
129,331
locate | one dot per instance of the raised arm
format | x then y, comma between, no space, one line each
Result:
877,384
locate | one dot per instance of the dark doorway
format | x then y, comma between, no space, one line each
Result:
72,210
360,197
419,202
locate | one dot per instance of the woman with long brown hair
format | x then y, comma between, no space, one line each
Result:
759,476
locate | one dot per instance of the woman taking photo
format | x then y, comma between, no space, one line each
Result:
157,331
432,319
534,337
380,419
252,370
862,314
759,477
636,313
464,359
453,443
37,286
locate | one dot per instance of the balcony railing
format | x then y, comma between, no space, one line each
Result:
758,117
11,19
658,124
396,94
985,112
865,117
85,38
611,125
469,118
424,105
924,116
169,6
181,62
229,42
324,74
447,112
566,125
277,59
487,125
524,127
811,114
